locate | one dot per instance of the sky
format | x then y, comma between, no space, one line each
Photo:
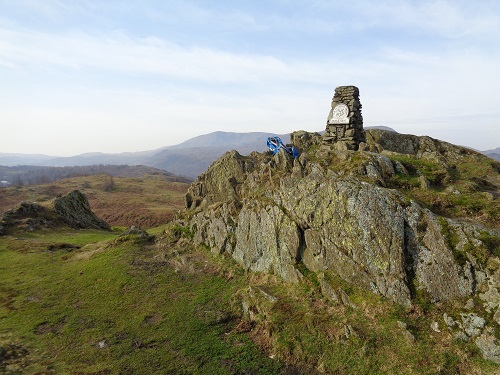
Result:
113,76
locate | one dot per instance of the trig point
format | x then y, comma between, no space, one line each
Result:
344,127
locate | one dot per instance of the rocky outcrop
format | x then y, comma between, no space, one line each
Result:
28,215
270,216
421,147
72,210
331,211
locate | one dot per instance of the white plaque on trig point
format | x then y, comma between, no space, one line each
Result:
340,114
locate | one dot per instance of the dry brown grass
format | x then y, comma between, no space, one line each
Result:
147,202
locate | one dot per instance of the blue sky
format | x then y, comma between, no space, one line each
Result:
116,76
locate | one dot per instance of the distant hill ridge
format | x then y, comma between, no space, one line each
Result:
32,175
188,159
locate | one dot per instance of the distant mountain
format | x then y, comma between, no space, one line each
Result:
188,159
380,127
94,158
494,154
9,159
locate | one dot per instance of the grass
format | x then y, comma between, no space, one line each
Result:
467,189
108,307
159,307
361,337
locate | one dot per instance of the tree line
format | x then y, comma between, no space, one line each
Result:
24,175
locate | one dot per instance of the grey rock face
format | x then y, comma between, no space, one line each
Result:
274,214
432,260
354,229
267,241
271,214
215,228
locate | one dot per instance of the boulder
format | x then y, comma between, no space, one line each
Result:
72,210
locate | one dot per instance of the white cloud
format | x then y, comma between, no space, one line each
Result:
116,82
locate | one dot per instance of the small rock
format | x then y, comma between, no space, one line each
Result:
349,331
328,291
268,296
103,344
344,297
362,146
472,323
487,343
435,327
135,231
407,334
496,317
449,320
409,337
400,168
424,183
461,336
452,190
469,305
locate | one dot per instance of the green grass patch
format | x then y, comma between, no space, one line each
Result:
492,243
452,241
462,190
112,308
432,171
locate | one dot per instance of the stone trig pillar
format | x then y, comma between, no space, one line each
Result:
344,127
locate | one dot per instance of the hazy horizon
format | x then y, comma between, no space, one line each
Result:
201,135
128,76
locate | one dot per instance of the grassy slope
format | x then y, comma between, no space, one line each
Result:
110,307
122,306
146,202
